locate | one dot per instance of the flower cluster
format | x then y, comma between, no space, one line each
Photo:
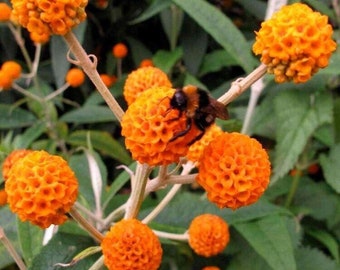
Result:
234,170
75,77
130,245
41,188
5,12
9,72
9,161
43,18
295,43
150,123
208,235
119,50
142,79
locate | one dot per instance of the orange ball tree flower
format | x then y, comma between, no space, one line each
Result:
75,77
3,197
295,43
234,170
107,79
5,12
48,17
5,81
146,63
12,69
119,50
41,188
142,79
208,235
211,268
13,157
131,245
150,123
196,149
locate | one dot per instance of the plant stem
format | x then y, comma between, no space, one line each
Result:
90,69
138,184
241,85
86,225
8,245
293,188
172,236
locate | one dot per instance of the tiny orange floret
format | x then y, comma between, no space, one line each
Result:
150,123
295,43
41,188
5,12
234,170
211,268
75,77
131,245
142,79
13,157
120,50
146,63
208,235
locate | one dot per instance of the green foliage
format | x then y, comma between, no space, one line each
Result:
295,225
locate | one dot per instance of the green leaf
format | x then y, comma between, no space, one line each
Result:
14,117
89,114
299,114
270,238
25,139
189,79
61,249
101,141
336,123
330,166
313,259
172,19
328,240
155,8
165,60
30,237
255,7
215,61
221,28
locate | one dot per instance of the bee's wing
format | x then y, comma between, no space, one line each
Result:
217,109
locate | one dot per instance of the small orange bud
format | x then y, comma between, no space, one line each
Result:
107,79
12,69
234,170
75,77
146,63
119,50
211,268
208,235
313,168
5,81
131,245
3,197
5,12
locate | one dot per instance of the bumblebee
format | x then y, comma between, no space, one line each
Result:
199,108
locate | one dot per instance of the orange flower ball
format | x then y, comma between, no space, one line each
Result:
131,245
146,63
13,157
75,77
12,69
211,268
208,235
5,12
142,79
5,81
41,188
150,123
119,50
196,149
295,43
234,170
107,79
45,17
3,197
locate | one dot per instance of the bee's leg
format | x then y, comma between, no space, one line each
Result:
197,138
183,132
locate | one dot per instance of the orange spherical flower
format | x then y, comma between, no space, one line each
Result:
146,63
75,77
196,149
295,43
5,12
3,197
108,80
208,235
5,81
41,188
131,245
211,268
13,157
119,50
234,170
12,69
142,79
48,17
150,123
